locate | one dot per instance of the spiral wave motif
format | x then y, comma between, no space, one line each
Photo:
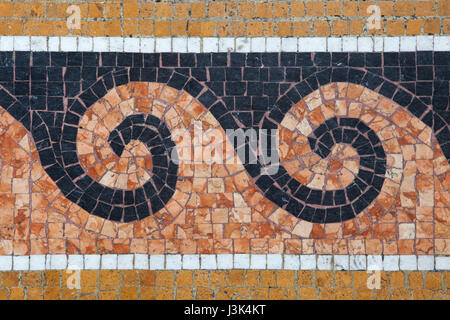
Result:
342,204
126,171
340,154
343,151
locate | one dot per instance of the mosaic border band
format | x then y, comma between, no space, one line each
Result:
215,44
224,261
236,261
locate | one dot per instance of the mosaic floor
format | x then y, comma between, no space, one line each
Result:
128,153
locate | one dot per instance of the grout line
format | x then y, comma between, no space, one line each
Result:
224,261
214,44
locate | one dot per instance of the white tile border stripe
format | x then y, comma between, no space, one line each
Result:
214,44
141,261
6,263
224,261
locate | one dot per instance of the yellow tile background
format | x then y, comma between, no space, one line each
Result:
224,18
226,284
